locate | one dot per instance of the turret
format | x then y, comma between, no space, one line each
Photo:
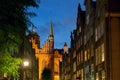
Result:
78,15
65,48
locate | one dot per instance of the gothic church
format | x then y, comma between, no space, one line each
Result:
47,56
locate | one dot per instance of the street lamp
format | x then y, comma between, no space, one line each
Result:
25,65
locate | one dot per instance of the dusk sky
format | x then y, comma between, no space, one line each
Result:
62,14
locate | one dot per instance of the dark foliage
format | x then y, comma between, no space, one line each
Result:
14,23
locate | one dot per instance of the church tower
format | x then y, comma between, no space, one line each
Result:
51,39
34,38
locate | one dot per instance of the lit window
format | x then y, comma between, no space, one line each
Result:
102,51
97,76
103,75
82,74
85,55
88,54
96,56
74,77
92,67
78,74
96,34
56,68
92,71
74,66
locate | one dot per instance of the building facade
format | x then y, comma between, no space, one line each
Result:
48,57
65,64
95,43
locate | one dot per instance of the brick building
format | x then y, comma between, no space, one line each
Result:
95,43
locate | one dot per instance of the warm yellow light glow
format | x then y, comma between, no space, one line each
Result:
56,77
26,63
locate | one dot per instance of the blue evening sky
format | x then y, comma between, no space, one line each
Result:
62,13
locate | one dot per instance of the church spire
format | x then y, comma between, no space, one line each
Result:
51,30
51,38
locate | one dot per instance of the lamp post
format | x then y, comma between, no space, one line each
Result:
26,65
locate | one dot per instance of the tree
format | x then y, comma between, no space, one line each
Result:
46,74
14,22
9,64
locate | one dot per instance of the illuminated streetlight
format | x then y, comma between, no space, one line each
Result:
26,63
26,66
